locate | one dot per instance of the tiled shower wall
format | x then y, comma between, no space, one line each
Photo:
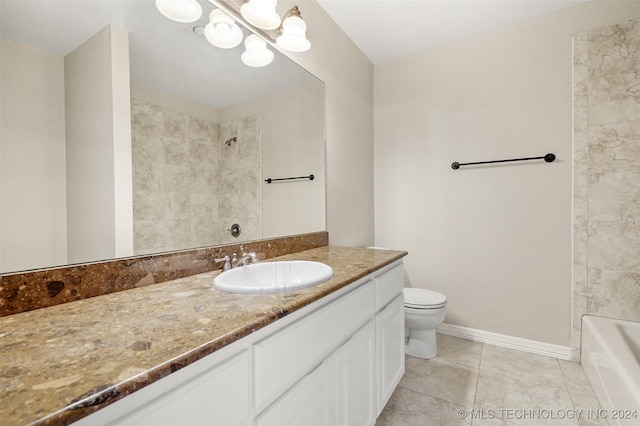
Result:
606,175
185,177
239,175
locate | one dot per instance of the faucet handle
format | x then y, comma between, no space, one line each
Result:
227,262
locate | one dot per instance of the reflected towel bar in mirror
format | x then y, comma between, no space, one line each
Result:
310,177
548,158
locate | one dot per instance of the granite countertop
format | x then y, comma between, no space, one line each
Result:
61,363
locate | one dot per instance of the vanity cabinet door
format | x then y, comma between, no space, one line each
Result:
390,349
355,379
310,402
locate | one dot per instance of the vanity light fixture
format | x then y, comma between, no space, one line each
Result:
180,10
261,14
293,32
256,53
222,31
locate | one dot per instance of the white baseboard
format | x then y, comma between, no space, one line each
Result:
532,346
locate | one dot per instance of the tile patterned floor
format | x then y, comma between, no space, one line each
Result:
471,383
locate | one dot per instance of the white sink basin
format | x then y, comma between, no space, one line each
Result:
273,277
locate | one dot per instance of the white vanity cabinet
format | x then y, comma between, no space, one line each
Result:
333,362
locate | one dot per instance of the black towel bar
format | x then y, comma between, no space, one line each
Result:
310,177
548,158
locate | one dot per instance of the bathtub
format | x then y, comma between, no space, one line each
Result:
611,360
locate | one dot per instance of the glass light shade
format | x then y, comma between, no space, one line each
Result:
222,31
256,53
261,14
293,36
180,10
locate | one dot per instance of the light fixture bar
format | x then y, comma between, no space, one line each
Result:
232,8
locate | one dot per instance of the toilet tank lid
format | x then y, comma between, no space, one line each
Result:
423,297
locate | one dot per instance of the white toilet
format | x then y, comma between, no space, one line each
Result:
424,311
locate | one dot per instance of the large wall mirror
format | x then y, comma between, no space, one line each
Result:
124,133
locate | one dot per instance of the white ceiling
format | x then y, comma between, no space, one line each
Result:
387,29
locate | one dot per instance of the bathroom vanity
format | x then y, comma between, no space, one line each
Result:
330,354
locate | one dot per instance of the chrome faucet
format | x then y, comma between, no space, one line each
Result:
244,260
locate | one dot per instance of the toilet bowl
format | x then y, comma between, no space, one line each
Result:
424,311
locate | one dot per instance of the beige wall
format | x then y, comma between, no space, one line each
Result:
122,164
348,76
32,162
292,135
98,154
496,240
165,100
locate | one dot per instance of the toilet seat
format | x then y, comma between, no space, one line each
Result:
422,298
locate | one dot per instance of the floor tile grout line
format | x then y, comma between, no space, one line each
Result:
573,395
451,364
435,397
475,393
519,379
590,394
566,384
